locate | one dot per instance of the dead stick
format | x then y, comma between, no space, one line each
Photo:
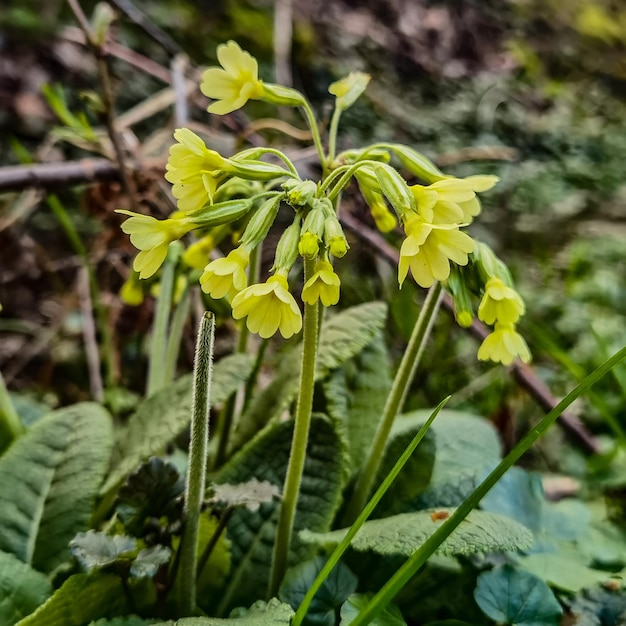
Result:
522,373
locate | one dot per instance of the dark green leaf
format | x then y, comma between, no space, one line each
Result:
95,550
515,596
155,490
131,620
22,589
81,599
403,534
149,560
599,607
390,616
334,591
252,533
49,479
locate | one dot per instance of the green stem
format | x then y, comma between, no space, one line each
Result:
221,527
345,179
413,564
395,400
176,334
10,425
315,132
196,474
332,134
158,344
337,553
299,442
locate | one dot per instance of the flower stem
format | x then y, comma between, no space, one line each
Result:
10,424
194,489
176,333
315,132
332,134
395,400
299,442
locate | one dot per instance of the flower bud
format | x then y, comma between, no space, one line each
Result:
461,297
347,90
334,237
300,192
101,20
396,190
417,163
287,248
261,221
309,246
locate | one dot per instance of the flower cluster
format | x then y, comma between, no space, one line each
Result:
242,195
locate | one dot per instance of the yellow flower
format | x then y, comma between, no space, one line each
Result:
503,345
226,275
233,85
309,245
500,303
452,200
196,255
269,307
131,292
429,248
323,285
385,220
152,238
349,88
195,171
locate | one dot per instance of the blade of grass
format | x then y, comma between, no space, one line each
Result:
415,562
337,553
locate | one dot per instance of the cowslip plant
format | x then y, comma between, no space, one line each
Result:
243,189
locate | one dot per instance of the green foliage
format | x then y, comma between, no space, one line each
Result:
22,589
164,415
356,394
403,534
81,598
124,621
599,607
252,533
49,479
95,550
391,616
514,596
335,590
342,337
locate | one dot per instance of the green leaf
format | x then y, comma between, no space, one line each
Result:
155,490
95,550
466,445
342,337
514,596
22,589
356,395
415,475
131,620
49,479
599,607
29,409
165,415
390,616
403,534
334,591
149,560
81,599
560,571
252,533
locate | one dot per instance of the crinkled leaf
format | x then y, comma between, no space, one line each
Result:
149,560
252,533
49,480
22,589
335,590
342,337
81,599
95,550
466,445
390,616
28,409
164,415
356,395
155,490
515,596
131,620
250,494
403,534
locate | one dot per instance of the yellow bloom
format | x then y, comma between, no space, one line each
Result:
269,307
349,88
384,218
500,303
195,171
226,275
309,245
428,250
152,238
323,285
233,85
452,200
131,292
196,255
503,345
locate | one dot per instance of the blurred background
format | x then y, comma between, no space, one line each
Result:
530,90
